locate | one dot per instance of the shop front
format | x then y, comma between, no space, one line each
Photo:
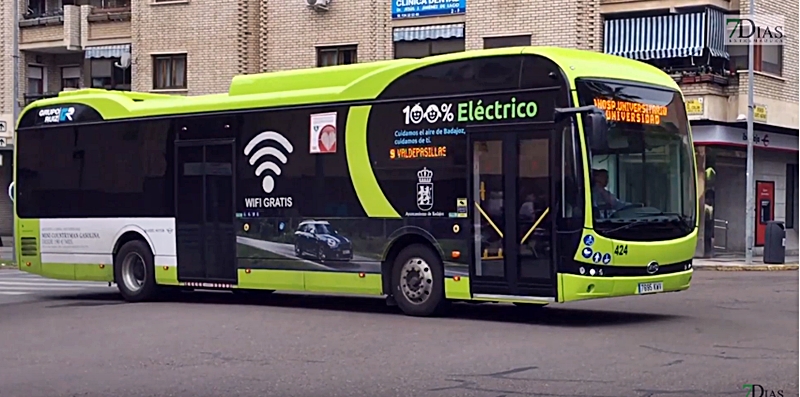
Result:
721,150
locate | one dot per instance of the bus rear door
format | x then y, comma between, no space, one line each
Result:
205,211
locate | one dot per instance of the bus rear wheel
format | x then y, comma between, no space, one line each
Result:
134,272
418,281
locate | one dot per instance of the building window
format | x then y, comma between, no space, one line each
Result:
70,77
169,72
36,80
766,58
109,4
507,41
791,196
107,74
425,48
330,56
39,8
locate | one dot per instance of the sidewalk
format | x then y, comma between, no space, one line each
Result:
737,263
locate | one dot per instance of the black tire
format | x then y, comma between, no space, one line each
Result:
435,301
148,289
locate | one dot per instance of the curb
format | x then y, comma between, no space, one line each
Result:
746,268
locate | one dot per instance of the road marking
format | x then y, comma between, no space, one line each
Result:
49,284
15,283
43,287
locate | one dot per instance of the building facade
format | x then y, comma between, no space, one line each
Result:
192,47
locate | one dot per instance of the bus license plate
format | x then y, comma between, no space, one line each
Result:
651,288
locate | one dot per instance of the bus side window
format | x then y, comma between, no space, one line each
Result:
572,196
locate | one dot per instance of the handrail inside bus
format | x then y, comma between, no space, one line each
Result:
535,225
497,229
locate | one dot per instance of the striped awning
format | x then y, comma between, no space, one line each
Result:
429,32
658,37
108,51
716,33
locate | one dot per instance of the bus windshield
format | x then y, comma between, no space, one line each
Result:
642,177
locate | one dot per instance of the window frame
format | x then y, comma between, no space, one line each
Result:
171,59
434,47
494,42
758,59
43,79
339,53
111,82
75,80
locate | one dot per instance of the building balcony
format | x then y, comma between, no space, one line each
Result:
108,22
626,6
56,31
30,98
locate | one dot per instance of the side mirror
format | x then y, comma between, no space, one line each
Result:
598,129
595,125
11,191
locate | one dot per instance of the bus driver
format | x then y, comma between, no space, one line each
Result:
601,197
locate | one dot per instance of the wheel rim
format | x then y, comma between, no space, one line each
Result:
416,280
133,271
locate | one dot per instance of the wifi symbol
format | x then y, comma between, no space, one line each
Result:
268,183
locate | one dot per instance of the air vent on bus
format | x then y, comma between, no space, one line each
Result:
28,246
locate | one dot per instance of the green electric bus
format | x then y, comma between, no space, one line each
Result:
528,175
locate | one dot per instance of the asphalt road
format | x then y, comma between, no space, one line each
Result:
731,328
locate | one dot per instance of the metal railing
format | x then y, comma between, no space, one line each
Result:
720,235
29,98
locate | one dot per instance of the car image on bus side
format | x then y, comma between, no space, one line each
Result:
320,240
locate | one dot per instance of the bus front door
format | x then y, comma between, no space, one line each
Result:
512,222
205,213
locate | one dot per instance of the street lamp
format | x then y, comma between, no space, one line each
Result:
750,206
15,111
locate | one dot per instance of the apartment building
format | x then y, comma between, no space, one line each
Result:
190,47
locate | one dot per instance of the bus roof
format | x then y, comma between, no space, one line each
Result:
345,83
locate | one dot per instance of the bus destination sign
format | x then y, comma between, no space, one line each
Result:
631,112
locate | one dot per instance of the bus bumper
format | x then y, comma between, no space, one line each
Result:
573,287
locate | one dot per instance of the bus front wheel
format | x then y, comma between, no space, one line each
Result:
418,281
134,272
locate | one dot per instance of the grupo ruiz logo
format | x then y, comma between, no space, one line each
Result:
267,160
57,115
